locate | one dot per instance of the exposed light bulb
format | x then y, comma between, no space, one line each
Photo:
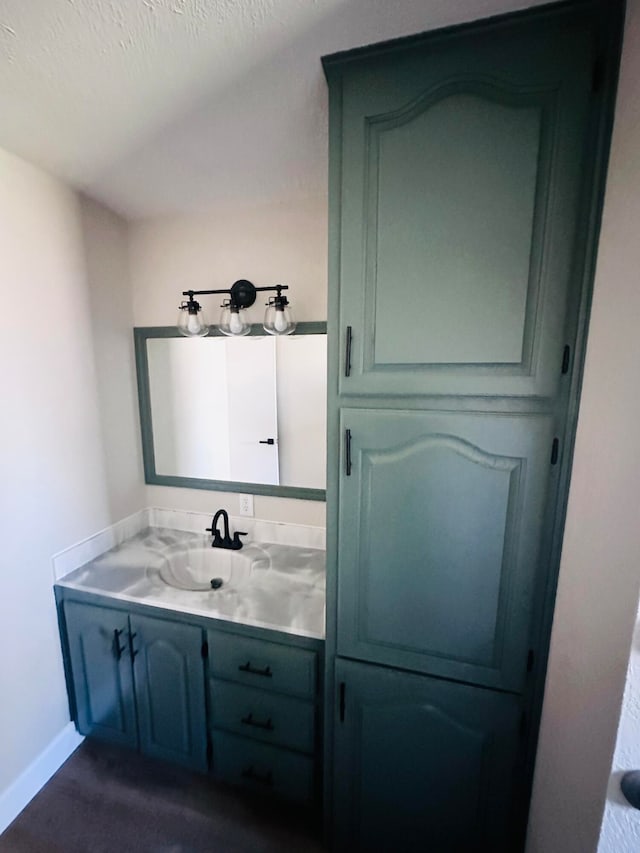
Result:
280,322
194,326
191,320
235,323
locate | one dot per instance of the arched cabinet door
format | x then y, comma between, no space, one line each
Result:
169,679
441,546
461,171
423,764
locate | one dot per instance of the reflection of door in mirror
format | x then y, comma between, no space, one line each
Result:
213,401
251,396
249,410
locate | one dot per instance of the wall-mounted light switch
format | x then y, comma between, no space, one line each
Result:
246,505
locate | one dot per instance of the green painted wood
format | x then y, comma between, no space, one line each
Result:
440,527
170,690
462,169
464,386
102,677
267,666
140,336
260,714
263,769
423,764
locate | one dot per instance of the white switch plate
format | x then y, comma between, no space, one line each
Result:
246,505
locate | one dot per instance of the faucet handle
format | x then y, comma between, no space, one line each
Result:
216,541
237,544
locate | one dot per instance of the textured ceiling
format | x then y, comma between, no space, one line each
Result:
166,106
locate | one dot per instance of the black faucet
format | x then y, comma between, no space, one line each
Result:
224,541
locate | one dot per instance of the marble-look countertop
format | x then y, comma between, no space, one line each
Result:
285,590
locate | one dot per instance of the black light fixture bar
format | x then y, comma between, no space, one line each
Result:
242,292
278,318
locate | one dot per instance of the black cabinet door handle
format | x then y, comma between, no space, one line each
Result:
133,651
267,725
268,441
347,353
246,667
347,452
117,648
261,778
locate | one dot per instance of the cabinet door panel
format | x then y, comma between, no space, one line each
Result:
169,678
440,529
422,764
102,676
462,167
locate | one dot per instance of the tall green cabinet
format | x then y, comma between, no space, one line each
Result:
466,169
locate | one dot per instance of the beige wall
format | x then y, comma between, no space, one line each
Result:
600,568
105,239
53,488
269,244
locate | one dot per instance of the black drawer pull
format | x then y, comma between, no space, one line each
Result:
262,779
246,667
257,724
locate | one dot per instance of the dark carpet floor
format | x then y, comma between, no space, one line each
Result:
108,800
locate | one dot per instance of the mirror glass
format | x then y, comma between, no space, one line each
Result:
249,411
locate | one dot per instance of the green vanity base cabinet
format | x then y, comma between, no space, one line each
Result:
264,715
423,764
139,681
243,703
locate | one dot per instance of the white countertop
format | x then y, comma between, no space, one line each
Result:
285,591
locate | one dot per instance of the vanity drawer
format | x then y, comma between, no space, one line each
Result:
258,663
262,768
270,717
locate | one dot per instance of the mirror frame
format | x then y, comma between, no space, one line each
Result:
140,336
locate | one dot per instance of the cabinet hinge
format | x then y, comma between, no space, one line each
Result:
530,658
597,75
343,691
554,451
566,358
204,651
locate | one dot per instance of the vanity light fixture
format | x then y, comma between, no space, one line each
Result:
278,319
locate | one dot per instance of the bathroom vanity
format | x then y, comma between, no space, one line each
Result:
224,679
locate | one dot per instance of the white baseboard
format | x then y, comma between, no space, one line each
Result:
37,774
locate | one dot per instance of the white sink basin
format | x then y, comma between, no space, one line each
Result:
195,568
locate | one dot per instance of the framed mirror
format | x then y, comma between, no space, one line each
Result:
245,414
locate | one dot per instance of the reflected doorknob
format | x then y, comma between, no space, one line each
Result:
630,786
